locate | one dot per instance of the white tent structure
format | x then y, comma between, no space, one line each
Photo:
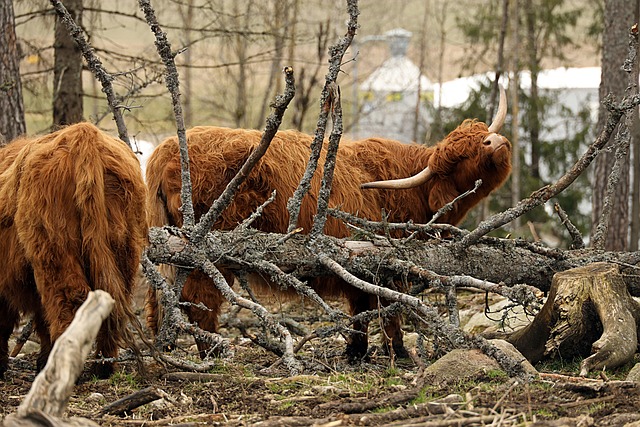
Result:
391,95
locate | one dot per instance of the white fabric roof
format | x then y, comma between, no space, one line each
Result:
396,74
455,92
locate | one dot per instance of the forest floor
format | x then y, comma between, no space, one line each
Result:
246,389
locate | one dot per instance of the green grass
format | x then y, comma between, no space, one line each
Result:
123,379
425,395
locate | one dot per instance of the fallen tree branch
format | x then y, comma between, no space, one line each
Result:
288,357
441,330
520,264
132,401
52,388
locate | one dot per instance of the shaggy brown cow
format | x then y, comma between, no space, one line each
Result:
72,220
437,175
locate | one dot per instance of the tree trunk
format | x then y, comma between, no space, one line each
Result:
635,192
588,311
618,19
12,122
514,85
534,103
67,70
634,237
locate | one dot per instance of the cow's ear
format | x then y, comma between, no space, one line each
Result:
443,159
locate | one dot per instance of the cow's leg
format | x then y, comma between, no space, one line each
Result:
393,336
151,310
63,288
357,342
41,329
8,321
106,347
199,289
112,333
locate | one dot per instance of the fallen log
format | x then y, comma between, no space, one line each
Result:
48,397
496,260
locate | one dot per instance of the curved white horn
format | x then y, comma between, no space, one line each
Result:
501,114
412,181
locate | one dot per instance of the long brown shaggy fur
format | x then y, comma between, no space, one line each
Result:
216,154
72,220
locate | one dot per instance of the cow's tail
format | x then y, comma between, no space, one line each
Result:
110,197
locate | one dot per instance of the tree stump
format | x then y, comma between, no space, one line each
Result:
589,311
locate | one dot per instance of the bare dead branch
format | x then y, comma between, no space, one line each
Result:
132,401
330,161
429,230
336,53
446,208
173,85
288,356
22,338
255,215
173,315
273,123
577,242
441,330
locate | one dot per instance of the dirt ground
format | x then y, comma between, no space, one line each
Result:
246,389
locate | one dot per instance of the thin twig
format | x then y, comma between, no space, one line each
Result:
173,85
336,52
446,208
577,241
273,123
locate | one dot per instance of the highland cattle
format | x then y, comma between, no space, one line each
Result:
72,220
409,181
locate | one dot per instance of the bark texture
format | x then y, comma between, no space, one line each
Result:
619,18
67,70
12,122
496,260
589,311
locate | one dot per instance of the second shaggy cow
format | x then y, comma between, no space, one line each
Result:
72,220
436,175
